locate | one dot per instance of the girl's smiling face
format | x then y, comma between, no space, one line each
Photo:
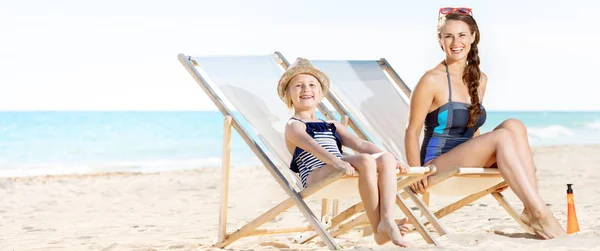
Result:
304,91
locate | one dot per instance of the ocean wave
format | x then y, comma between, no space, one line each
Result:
549,132
593,125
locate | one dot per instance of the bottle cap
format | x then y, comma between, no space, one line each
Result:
569,190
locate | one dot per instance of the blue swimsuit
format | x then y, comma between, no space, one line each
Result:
446,127
326,136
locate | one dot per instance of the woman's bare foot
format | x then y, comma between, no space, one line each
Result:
526,218
388,228
544,225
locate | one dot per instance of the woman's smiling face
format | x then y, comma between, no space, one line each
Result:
455,39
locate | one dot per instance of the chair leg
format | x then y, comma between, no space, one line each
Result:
342,228
258,221
294,199
423,207
324,207
225,179
337,220
308,214
249,228
467,200
335,208
413,219
515,215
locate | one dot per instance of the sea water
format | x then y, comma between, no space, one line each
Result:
39,143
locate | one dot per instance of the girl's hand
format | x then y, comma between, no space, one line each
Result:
403,226
403,167
403,229
345,166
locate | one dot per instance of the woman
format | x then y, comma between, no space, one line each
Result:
316,146
448,102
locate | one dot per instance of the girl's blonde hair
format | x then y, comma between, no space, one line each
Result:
287,99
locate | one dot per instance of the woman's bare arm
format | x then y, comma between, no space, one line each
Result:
420,103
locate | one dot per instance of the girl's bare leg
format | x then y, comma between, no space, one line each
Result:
367,186
388,187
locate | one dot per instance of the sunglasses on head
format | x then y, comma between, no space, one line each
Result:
461,10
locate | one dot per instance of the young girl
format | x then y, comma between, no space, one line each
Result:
316,146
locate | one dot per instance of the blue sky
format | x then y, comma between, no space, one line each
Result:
122,55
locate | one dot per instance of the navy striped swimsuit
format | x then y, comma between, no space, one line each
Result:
326,136
446,127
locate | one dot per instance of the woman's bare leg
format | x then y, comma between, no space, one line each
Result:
500,145
522,144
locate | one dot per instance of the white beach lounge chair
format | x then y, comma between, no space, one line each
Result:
243,89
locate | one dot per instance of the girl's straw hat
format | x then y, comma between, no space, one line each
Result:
302,66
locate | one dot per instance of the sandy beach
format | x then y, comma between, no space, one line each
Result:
178,210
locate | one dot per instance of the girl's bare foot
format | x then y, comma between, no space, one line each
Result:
380,238
388,227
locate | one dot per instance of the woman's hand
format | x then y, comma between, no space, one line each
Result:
420,186
403,167
345,166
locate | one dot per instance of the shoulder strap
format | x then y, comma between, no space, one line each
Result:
449,85
298,120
